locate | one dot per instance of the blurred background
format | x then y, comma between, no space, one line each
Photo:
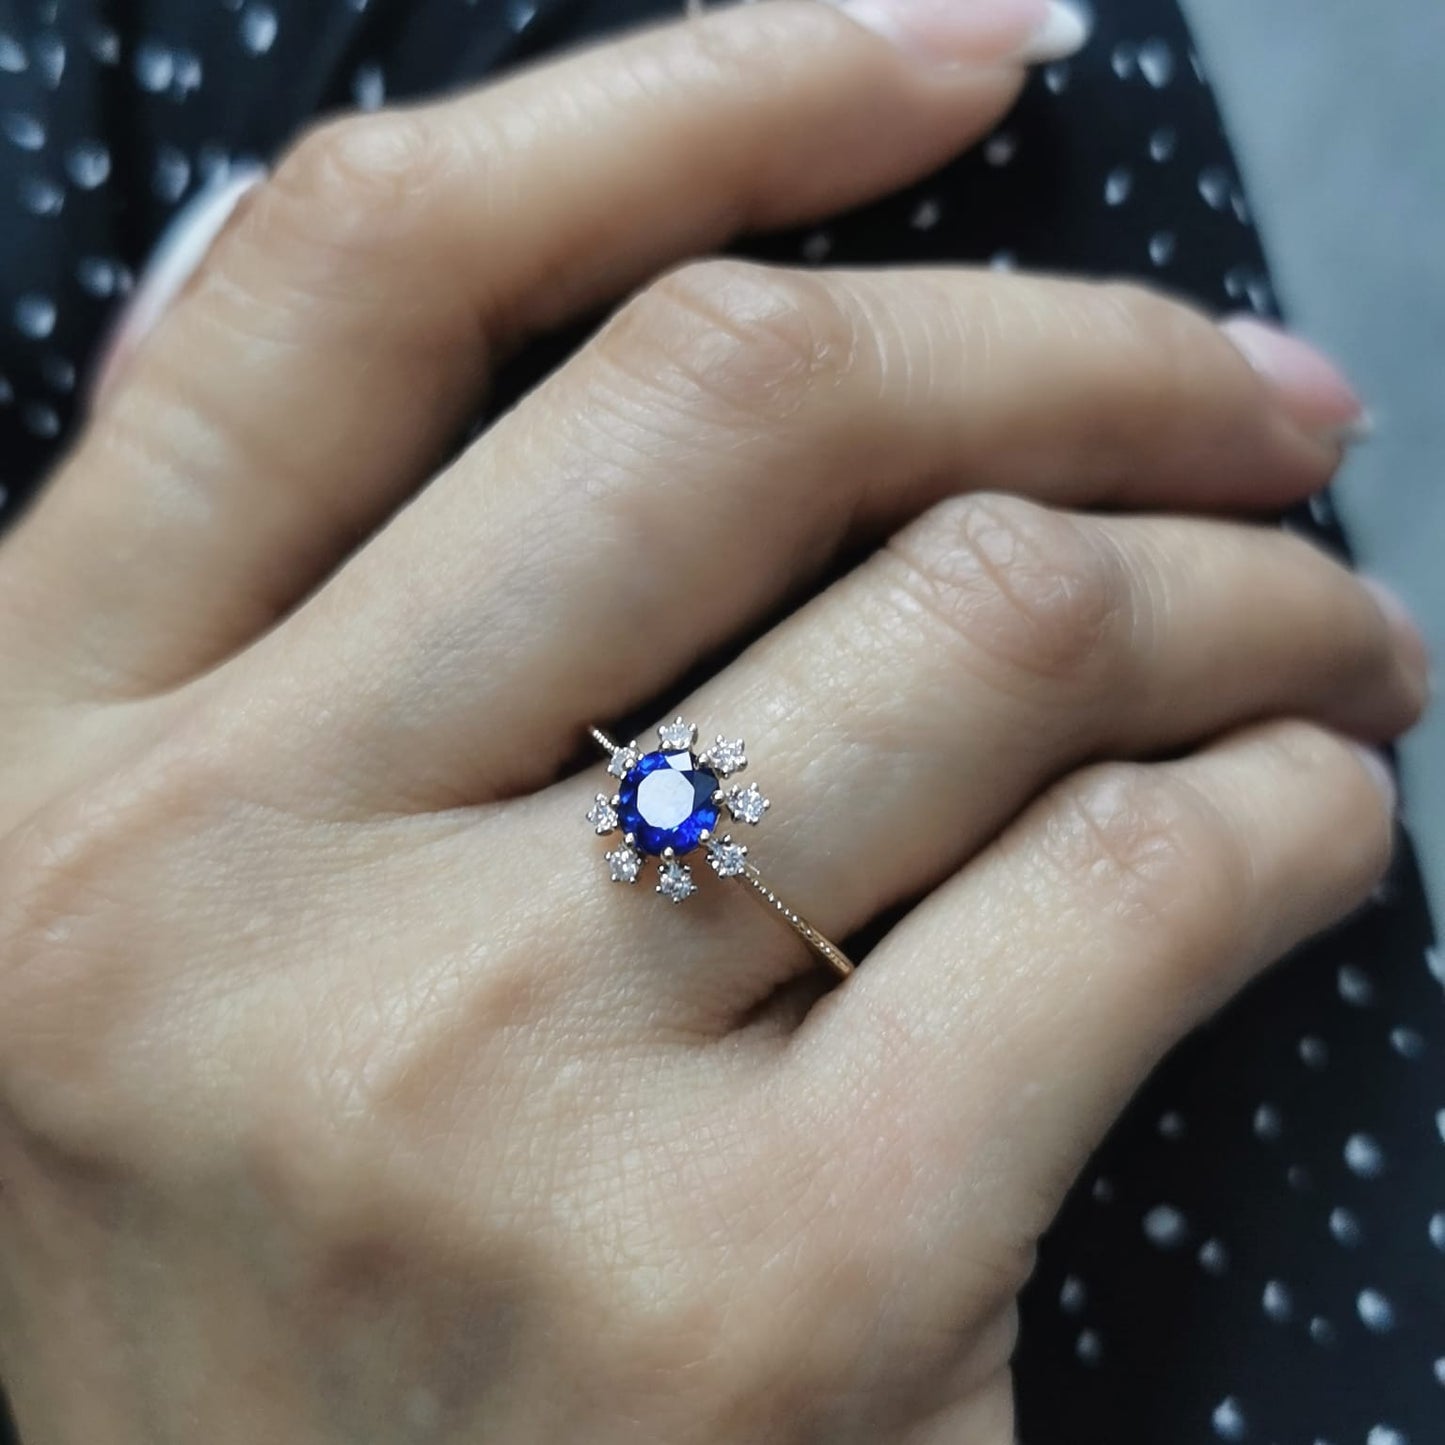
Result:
1336,111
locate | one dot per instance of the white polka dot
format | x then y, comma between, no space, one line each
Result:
817,247
1435,962
1214,187
1213,1257
41,196
1278,1302
186,79
1437,1231
1407,1043
1386,1435
1345,1227
1440,1125
154,66
41,420
88,164
1156,63
1163,143
170,173
926,215
1440,1369
521,13
258,28
1124,59
1056,78
368,87
1322,1332
59,373
1089,1347
1375,1311
1072,1295
1165,1227
103,44
1162,246
1364,1156
48,53
1001,148
23,131
1355,985
1103,1190
1228,1420
1118,185
13,58
1268,1122
1314,1052
35,316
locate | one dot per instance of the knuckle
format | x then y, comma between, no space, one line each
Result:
1153,350
350,188
1148,848
1035,590
754,341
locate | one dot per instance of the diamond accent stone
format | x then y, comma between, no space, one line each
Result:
667,801
624,864
747,804
624,760
674,882
728,859
602,815
677,735
726,756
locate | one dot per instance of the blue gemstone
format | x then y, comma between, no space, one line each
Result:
666,802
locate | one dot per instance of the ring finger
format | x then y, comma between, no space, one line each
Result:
911,710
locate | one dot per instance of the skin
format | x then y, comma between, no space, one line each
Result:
342,1097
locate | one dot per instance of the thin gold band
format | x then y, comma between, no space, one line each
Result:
823,946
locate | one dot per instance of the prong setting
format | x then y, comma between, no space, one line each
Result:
667,805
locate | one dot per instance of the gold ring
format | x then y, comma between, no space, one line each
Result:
667,805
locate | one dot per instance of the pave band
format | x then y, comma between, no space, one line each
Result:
667,805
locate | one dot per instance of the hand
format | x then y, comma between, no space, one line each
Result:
344,1098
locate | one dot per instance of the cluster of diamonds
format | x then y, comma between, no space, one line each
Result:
667,805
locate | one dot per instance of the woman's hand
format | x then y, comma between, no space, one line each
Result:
344,1098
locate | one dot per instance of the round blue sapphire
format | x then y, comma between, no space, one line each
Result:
666,801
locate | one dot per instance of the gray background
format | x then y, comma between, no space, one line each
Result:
1337,109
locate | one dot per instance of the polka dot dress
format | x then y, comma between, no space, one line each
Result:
1257,1253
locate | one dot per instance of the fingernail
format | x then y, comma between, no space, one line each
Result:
983,32
177,255
1411,640
1312,389
1382,775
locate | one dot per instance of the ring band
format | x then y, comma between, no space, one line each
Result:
667,805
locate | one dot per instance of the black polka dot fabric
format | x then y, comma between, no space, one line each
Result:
1257,1253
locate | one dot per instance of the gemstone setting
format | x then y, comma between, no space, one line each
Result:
667,802
624,864
674,882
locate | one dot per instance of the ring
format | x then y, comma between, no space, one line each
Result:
667,805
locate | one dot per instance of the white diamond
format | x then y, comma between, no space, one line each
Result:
624,864
674,881
624,760
726,756
747,805
677,734
728,859
602,815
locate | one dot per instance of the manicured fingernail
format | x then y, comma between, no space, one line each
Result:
1414,650
982,32
1313,390
175,259
1382,775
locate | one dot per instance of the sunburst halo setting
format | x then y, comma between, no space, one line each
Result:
667,806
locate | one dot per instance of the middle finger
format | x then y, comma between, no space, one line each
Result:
712,448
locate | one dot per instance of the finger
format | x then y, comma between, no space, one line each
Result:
709,452
904,716
344,325
985,1046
